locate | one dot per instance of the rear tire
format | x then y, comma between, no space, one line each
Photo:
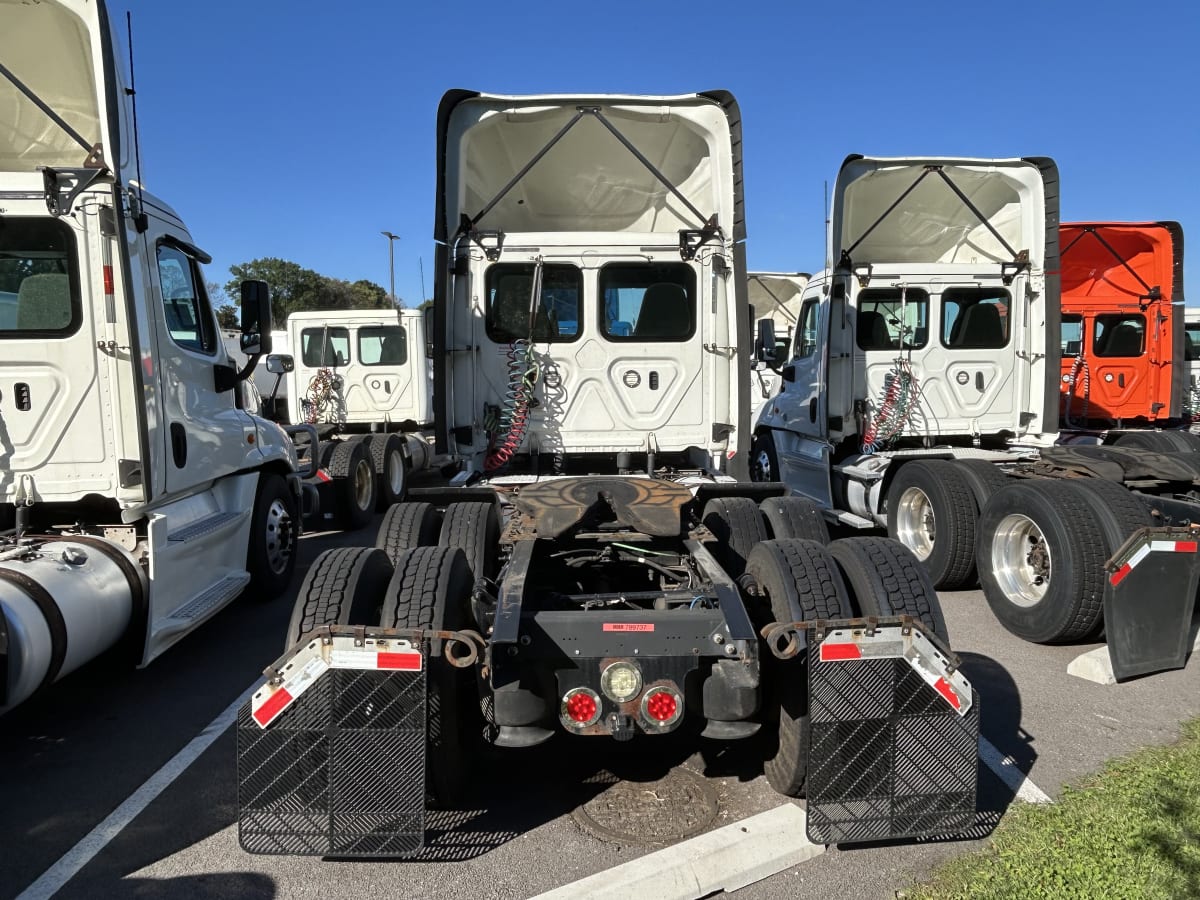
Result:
274,531
931,511
801,582
885,578
391,470
474,528
1156,441
343,586
738,526
354,479
405,526
1041,561
431,589
982,477
794,517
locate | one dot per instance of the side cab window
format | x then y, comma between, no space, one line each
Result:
186,308
806,328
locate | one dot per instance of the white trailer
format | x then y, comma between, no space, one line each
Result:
138,497
363,379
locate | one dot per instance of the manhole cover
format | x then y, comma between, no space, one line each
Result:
651,812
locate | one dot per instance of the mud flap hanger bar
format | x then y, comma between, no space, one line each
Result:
1152,293
1008,270
63,185
689,239
460,648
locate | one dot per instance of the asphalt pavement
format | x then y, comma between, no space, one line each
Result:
544,817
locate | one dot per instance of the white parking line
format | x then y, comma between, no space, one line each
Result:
728,858
54,878
1006,770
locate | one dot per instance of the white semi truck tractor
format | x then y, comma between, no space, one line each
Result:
922,396
362,378
136,497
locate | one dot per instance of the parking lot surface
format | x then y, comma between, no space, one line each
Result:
543,818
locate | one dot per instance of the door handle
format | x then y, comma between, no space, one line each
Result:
1121,379
812,410
178,445
979,381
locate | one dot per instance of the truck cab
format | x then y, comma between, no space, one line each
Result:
122,434
586,310
1123,333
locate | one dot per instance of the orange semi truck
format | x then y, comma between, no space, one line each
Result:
1123,339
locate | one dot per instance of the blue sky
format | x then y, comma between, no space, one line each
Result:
302,129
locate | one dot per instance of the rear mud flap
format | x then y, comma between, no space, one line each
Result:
312,753
894,737
1148,601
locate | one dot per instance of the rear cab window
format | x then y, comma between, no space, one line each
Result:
39,278
325,347
648,302
1072,335
509,296
382,345
1120,335
888,319
975,318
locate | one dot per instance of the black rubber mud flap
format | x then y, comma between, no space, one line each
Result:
338,769
1149,597
894,736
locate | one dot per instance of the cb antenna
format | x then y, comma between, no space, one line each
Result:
421,266
825,213
139,219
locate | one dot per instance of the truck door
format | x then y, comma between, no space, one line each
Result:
969,378
206,435
379,384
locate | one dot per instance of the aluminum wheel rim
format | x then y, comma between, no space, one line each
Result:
915,523
1021,560
364,486
763,463
394,472
279,537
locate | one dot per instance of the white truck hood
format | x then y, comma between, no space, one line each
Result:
62,52
586,181
908,211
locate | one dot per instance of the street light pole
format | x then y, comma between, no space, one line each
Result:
392,238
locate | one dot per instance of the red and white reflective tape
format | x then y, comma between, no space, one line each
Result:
1145,550
316,658
890,642
372,659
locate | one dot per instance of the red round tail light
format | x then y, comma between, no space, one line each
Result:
662,706
580,708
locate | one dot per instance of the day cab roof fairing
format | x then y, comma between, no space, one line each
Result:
916,214
62,52
587,163
776,295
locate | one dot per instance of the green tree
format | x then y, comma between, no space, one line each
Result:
229,316
295,288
